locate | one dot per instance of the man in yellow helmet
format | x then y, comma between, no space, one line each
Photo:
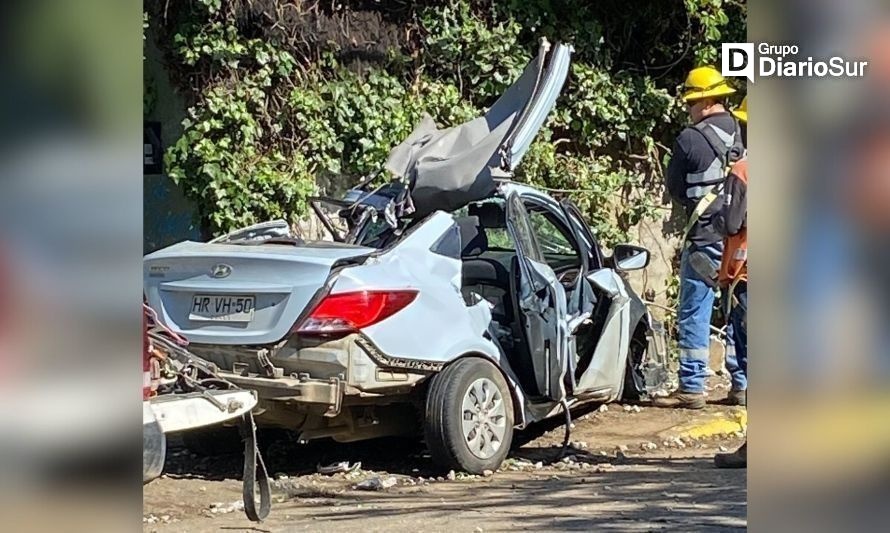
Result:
699,162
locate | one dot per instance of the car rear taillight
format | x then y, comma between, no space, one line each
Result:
351,311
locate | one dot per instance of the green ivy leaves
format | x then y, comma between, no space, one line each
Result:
265,130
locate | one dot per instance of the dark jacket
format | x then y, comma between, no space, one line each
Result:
692,153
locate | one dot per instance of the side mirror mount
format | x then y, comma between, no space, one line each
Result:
627,257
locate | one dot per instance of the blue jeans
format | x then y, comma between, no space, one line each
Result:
694,320
737,339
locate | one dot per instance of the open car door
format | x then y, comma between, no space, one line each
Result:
540,302
604,369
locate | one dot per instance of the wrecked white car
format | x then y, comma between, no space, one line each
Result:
457,304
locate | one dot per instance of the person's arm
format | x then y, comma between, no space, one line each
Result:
732,216
675,179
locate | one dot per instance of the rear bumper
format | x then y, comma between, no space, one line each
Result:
326,394
320,374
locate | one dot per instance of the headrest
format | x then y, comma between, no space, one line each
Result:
472,238
491,214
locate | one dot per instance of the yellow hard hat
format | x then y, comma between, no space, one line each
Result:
705,82
741,112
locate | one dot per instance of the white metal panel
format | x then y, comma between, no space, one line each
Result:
437,326
190,411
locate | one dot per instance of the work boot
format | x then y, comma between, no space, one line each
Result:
736,459
737,397
683,400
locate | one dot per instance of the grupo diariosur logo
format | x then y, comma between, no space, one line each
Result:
784,61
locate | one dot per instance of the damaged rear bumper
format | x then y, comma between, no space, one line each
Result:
326,394
321,375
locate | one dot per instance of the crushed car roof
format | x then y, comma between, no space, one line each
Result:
449,168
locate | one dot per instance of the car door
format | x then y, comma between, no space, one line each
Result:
605,369
540,304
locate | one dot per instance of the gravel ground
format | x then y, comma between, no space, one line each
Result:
625,471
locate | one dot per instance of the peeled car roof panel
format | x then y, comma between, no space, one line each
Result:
449,168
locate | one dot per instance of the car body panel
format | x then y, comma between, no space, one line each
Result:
541,305
606,369
447,168
412,264
551,85
282,278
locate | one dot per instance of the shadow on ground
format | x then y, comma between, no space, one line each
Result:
652,493
284,454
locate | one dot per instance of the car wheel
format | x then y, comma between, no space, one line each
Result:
469,417
634,383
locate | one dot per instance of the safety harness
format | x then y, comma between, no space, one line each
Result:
726,156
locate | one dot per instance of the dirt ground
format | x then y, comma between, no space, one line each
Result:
628,469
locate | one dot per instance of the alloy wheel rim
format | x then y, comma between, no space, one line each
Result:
483,418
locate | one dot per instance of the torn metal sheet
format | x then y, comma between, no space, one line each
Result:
448,168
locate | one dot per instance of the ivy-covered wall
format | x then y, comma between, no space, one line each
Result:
288,97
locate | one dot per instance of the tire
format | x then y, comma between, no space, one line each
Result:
633,388
154,451
454,391
213,441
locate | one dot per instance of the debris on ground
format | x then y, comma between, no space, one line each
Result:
377,483
649,446
336,468
603,408
451,475
674,442
226,508
153,519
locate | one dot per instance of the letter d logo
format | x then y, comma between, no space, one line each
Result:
738,60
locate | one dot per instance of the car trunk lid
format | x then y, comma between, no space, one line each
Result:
239,294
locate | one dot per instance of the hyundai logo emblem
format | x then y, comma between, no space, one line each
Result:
220,271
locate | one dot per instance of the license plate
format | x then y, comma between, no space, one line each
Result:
222,308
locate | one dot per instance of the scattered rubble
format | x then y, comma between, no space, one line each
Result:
377,483
226,508
674,442
603,408
451,475
335,468
648,446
